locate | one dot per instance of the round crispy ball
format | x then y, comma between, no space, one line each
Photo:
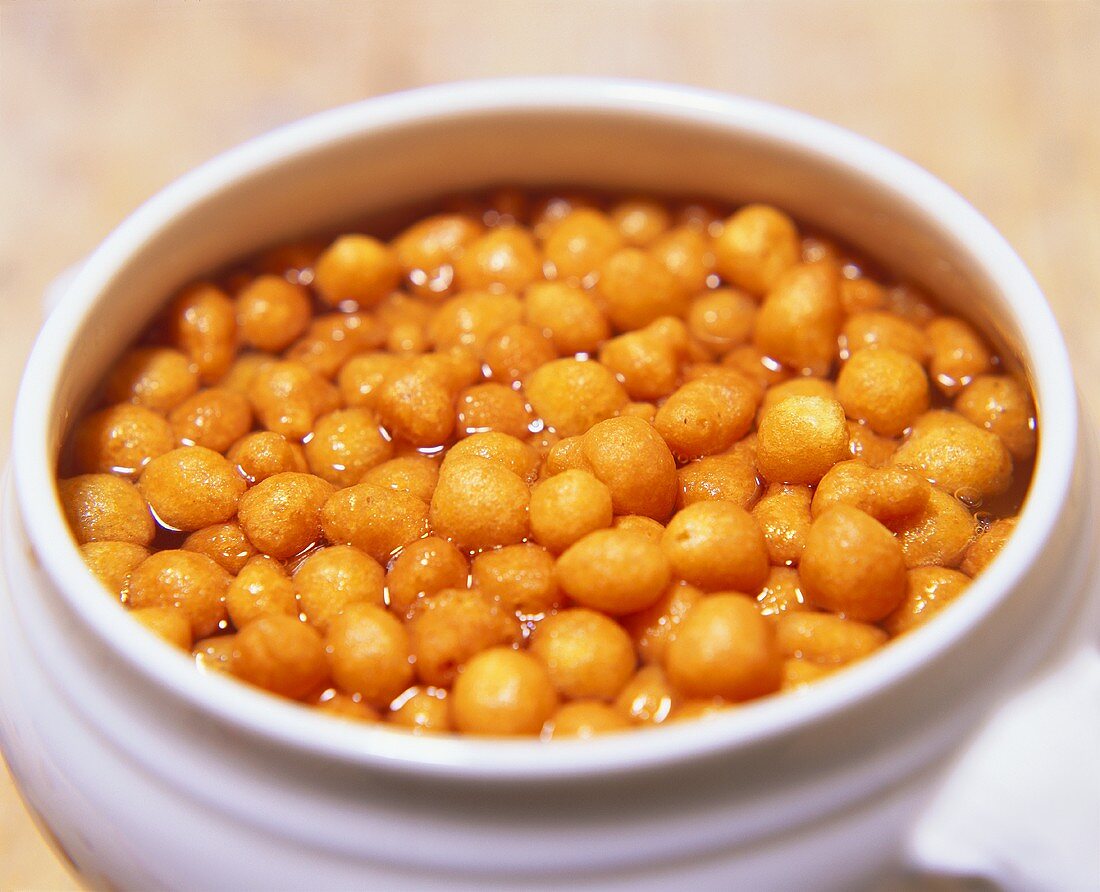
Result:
185,580
614,570
503,692
368,651
587,654
568,506
716,546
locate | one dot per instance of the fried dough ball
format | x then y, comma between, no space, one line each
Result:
373,519
782,592
716,546
783,515
167,623
491,407
415,474
852,565
260,588
244,370
202,323
798,674
571,396
361,377
428,250
154,378
423,568
416,404
647,698
504,258
615,571
331,340
706,416
958,354
185,580
824,638
282,515
580,243
686,252
928,591
988,545
288,397
192,487
105,508
800,439
567,507
224,543
345,445
956,455
215,654
639,523
722,319
884,388
120,439
724,648
281,654
884,493
1002,405
426,710
355,269
479,504
938,534
368,653
801,386
450,627
653,628
756,366
729,477
503,692
867,446
472,318
644,361
520,577
264,454
861,294
756,246
333,578
567,315
629,457
877,328
272,313
636,288
213,418
113,562
800,319
584,719
341,706
499,448
641,221
587,655
515,352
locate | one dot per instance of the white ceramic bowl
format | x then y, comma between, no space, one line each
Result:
150,774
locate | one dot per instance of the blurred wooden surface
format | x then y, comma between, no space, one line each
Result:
103,103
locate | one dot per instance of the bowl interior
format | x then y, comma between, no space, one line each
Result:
363,159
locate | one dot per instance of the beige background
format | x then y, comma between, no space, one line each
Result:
102,103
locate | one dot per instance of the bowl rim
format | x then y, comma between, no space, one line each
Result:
482,759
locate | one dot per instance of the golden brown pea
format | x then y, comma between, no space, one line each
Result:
783,514
647,698
824,638
332,579
716,546
224,543
653,628
355,269
272,313
571,396
503,692
520,577
154,378
1002,405
800,439
261,587
182,579
168,623
583,719
479,504
885,388
988,545
282,515
852,565
423,568
755,247
580,242
615,571
105,508
213,418
450,627
633,461
113,562
368,653
724,648
282,655
928,591
202,323
567,507
120,439
636,288
192,487
567,315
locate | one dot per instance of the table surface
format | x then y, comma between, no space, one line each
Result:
101,104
